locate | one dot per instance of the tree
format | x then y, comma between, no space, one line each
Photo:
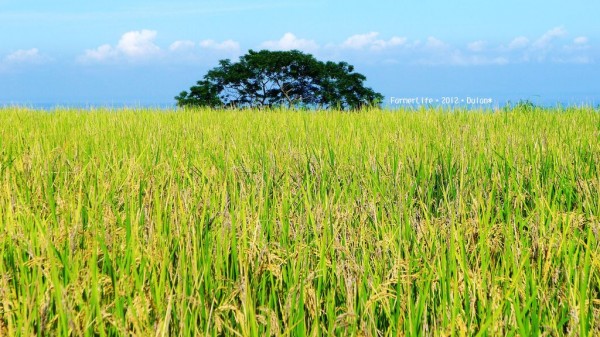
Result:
267,79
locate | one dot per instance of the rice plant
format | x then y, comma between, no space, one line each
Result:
284,223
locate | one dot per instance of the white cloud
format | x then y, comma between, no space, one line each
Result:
186,45
140,46
545,41
518,43
30,56
182,45
369,47
137,44
457,58
99,54
22,58
483,60
393,42
580,40
476,46
546,48
582,59
434,43
227,45
360,41
289,41
134,45
579,45
371,41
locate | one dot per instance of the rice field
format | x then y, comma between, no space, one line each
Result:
284,223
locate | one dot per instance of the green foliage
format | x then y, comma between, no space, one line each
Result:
267,79
202,94
254,223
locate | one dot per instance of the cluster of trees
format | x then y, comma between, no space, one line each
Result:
293,79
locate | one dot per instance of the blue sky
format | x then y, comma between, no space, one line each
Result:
145,52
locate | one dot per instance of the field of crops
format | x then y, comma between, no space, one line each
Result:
221,223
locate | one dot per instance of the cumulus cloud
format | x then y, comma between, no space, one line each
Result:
370,47
101,53
134,45
21,59
371,41
576,59
186,45
290,41
550,47
182,45
140,46
580,40
476,46
432,51
455,57
227,45
545,41
479,60
518,43
580,60
360,41
22,56
383,44
435,43
138,43
579,45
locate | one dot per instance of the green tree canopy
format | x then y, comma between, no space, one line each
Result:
280,78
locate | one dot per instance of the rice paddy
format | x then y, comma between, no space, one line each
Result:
286,223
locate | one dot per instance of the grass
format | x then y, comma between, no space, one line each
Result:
433,223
